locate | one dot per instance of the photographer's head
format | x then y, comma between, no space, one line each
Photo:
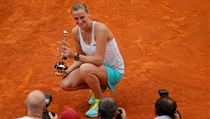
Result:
35,103
165,106
107,108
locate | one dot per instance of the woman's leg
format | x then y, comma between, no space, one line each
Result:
94,77
84,77
73,81
87,76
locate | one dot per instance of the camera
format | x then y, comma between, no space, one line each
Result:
163,92
48,100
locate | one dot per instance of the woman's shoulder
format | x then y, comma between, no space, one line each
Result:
101,26
75,31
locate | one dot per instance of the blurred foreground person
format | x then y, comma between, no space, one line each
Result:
108,109
69,113
166,107
35,103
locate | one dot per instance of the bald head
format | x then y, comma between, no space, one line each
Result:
35,100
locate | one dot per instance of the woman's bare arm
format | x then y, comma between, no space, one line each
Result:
101,36
75,64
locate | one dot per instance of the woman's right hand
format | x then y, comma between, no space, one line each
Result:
67,52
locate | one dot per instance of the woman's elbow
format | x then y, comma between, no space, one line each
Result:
99,62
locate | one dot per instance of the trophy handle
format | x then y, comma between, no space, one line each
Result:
64,42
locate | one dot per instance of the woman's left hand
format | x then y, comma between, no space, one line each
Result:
52,117
67,52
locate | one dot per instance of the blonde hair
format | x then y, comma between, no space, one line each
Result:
77,6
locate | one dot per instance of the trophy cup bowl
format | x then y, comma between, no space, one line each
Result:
60,68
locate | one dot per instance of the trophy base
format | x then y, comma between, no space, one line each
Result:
60,68
60,73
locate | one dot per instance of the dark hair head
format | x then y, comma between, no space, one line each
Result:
165,106
107,108
77,6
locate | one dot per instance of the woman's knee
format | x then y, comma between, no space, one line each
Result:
67,86
86,69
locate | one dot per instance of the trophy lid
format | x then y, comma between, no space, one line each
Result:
65,31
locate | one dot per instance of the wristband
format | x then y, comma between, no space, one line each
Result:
76,58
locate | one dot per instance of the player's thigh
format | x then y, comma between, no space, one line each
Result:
99,71
73,79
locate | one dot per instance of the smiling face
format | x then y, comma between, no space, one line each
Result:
80,17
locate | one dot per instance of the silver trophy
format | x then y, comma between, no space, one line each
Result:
61,66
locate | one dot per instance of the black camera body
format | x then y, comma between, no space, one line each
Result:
163,92
48,100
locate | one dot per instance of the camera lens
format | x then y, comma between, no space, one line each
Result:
163,92
48,99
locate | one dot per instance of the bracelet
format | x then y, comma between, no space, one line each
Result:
76,58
